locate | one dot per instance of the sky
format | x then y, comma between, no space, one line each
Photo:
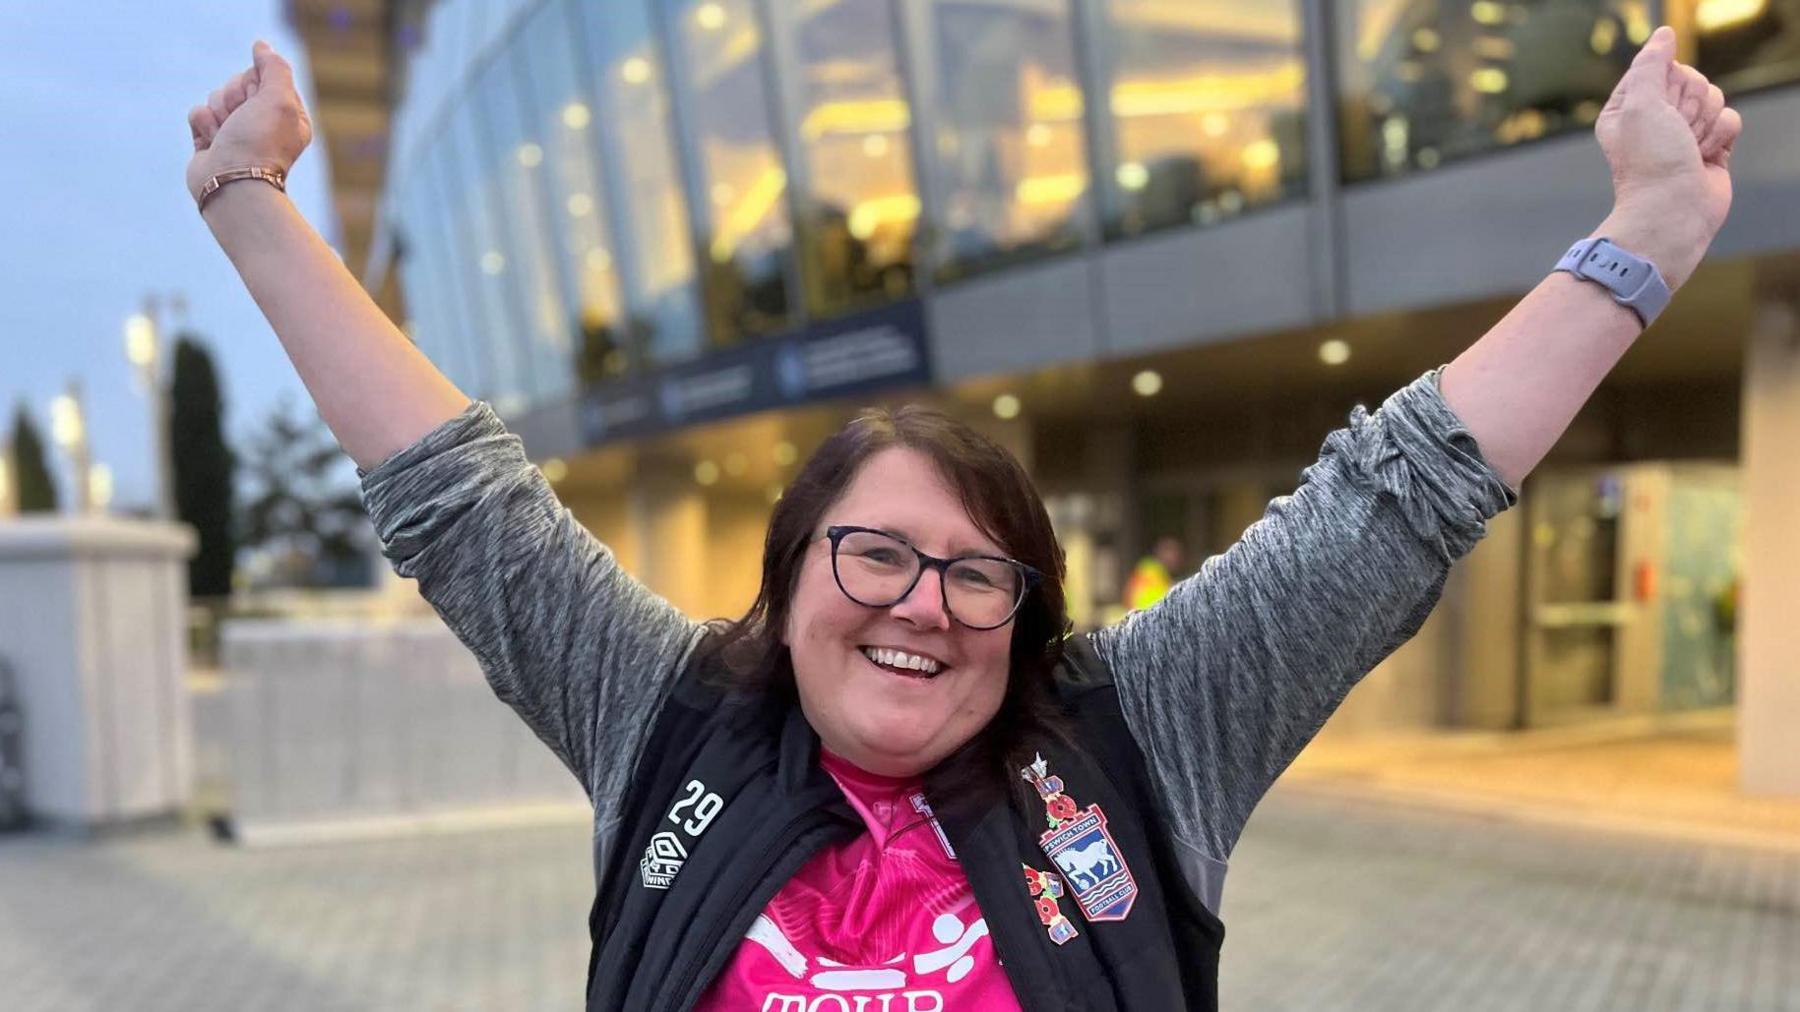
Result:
94,143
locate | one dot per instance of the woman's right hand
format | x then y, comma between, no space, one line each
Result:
256,118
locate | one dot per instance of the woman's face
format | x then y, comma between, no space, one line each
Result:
884,721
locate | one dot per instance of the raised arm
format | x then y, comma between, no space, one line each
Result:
1225,680
375,390
1668,137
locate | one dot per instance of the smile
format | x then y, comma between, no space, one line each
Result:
902,662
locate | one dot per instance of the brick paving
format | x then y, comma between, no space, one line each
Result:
1332,903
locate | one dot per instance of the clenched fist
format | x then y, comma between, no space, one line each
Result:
1668,137
256,118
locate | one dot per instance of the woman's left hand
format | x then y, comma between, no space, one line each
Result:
1668,138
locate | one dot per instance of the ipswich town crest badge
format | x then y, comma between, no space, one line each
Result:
1081,846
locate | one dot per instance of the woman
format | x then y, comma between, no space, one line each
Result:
764,791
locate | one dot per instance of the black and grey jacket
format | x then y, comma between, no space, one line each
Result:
1188,710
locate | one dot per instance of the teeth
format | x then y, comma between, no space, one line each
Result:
901,659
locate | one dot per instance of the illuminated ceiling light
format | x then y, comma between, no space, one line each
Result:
580,204
1488,80
1006,407
710,16
1334,352
575,115
1263,154
1053,190
530,155
1713,15
736,464
635,70
1038,135
706,472
785,453
1487,12
555,470
863,221
1426,40
875,145
1148,383
1637,23
1494,47
598,259
492,262
1604,36
1215,124
1133,175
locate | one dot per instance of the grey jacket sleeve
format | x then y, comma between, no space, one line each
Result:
568,639
1230,675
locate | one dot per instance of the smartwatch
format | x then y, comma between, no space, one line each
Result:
1633,280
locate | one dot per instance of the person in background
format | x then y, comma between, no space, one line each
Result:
1154,574
898,781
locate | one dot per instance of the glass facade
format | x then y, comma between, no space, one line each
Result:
560,151
1740,44
635,135
1207,99
743,184
1425,82
1009,151
589,191
861,205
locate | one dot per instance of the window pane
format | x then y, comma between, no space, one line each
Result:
475,192
1740,44
1208,105
584,255
655,247
740,164
463,298
425,280
517,158
1424,83
863,205
1010,154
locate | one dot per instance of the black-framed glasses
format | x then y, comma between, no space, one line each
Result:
877,569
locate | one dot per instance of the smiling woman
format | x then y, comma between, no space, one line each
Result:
898,781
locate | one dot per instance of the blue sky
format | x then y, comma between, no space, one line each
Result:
93,145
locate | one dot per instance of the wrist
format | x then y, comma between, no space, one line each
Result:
1673,241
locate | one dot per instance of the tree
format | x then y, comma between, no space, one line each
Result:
299,511
37,490
202,466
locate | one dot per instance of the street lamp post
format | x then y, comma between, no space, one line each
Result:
69,430
144,347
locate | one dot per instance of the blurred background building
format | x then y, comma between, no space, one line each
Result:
1157,247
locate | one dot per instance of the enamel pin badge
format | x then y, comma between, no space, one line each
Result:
1046,889
1079,843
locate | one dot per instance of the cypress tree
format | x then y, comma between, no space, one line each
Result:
37,489
202,467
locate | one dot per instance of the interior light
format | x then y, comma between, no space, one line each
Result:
635,70
1334,352
1147,383
1006,407
530,155
555,470
710,16
580,204
575,115
785,453
706,472
1713,15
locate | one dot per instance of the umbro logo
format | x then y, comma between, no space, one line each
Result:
662,859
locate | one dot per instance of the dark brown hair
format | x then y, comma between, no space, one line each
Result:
999,497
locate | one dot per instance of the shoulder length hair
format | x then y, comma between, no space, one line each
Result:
999,497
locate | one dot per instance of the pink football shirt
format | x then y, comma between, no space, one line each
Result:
885,922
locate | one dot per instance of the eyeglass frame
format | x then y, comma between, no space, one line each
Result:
836,533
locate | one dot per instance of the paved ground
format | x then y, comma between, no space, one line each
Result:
1332,903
